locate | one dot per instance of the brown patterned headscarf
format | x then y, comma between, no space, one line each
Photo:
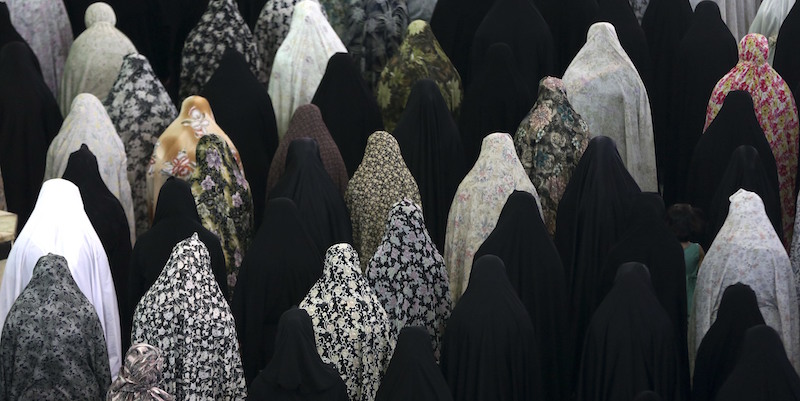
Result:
141,376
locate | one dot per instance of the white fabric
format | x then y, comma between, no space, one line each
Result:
95,58
768,21
747,250
477,205
604,87
88,123
737,14
59,225
44,24
301,61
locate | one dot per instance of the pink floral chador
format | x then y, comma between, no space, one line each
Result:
776,112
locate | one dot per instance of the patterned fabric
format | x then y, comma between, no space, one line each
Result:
380,181
352,330
45,26
141,376
185,315
177,157
794,252
420,9
271,29
140,109
88,123
374,34
747,250
605,88
95,58
550,142
639,7
776,111
409,276
768,21
419,57
477,205
223,200
307,123
220,27
52,345
300,61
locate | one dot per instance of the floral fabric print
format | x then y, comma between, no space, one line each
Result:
550,142
271,29
141,376
776,111
748,251
380,181
88,123
374,34
185,315
224,201
477,205
141,110
44,24
351,328
53,347
409,276
221,27
419,57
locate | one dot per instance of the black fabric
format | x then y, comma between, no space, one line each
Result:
138,20
719,349
175,220
108,218
250,10
650,241
570,35
787,59
497,101
631,36
348,108
176,19
413,373
630,343
8,33
735,125
647,396
706,53
322,208
489,348
590,220
29,120
243,109
518,24
296,371
534,269
664,24
763,372
454,23
277,272
431,147
746,171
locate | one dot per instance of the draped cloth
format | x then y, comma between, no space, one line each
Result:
95,58
88,123
271,29
737,14
221,27
281,266
601,71
141,110
489,350
29,119
58,225
432,149
300,61
768,21
351,328
550,141
141,376
185,315
630,34
786,60
409,276
45,26
477,205
747,250
775,109
380,181
374,33
52,344
420,56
